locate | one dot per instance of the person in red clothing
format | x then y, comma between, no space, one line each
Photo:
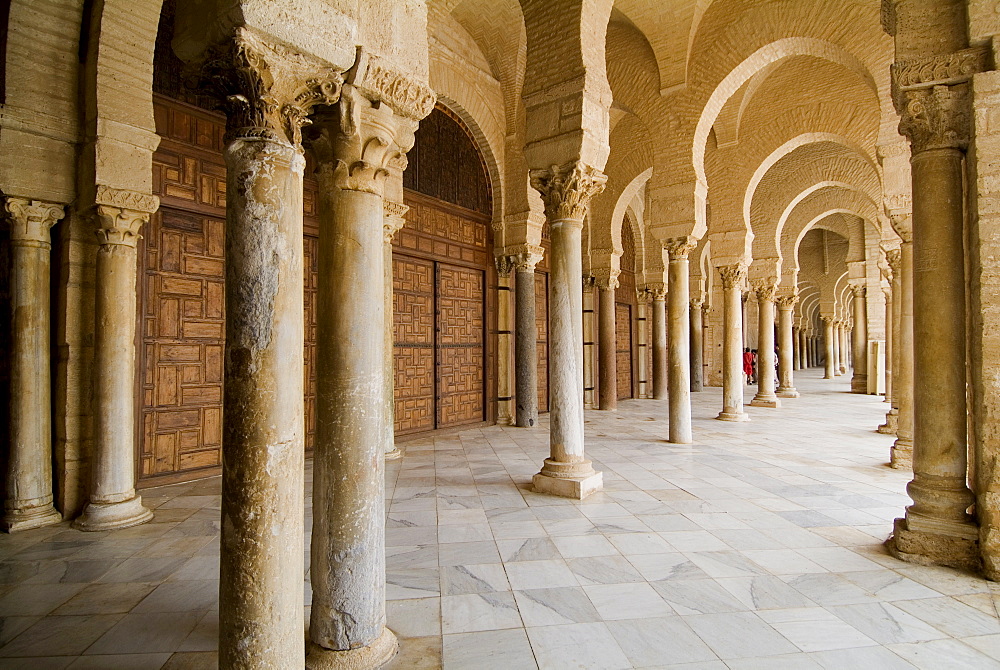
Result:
748,365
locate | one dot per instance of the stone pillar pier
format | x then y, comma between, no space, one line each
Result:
796,351
733,277
394,218
113,500
765,396
901,454
679,325
786,339
607,339
29,461
659,309
347,620
830,341
859,343
697,338
935,112
887,294
526,337
893,334
566,191
891,308
269,92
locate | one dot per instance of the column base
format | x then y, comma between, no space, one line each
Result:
859,384
891,423
788,392
765,401
733,416
393,455
375,655
901,454
16,520
933,542
569,480
113,516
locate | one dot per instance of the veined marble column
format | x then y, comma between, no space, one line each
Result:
697,338
526,337
347,621
29,461
830,340
659,339
606,281
859,343
679,352
893,256
887,294
845,346
786,338
935,116
733,277
261,568
765,396
566,191
113,500
394,218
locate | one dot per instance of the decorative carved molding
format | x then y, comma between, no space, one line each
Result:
733,276
940,70
858,290
679,247
394,209
658,290
379,81
567,189
31,220
902,224
828,320
123,199
393,218
267,89
119,226
606,278
504,265
936,118
893,150
642,295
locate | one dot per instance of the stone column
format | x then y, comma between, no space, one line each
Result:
679,327
606,281
733,277
29,461
891,298
794,346
394,218
526,337
269,91
838,352
859,343
765,396
931,81
566,191
506,323
113,500
901,454
659,339
589,342
697,346
642,342
786,339
830,341
353,145
805,349
887,294
893,335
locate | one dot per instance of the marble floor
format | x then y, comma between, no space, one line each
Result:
759,546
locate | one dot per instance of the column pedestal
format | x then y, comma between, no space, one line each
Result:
733,277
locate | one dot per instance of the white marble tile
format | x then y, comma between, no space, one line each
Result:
479,611
603,570
530,549
631,544
952,617
665,641
739,635
482,578
580,646
415,617
488,650
550,607
861,657
763,592
698,596
627,601
586,545
944,655
672,566
524,575
815,629
886,624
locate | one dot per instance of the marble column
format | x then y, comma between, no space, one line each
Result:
526,337
29,459
887,295
786,339
845,346
261,568
733,277
830,342
394,218
838,348
642,342
859,341
659,339
765,396
901,455
697,339
795,347
804,349
935,116
679,327
891,416
893,256
606,281
113,500
589,321
347,568
566,191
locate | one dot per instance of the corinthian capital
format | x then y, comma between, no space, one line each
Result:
893,258
859,290
393,219
568,189
764,289
657,290
786,301
119,226
936,118
679,247
31,220
267,89
733,275
525,257
606,278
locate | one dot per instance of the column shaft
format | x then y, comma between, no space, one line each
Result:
659,309
901,455
859,343
525,347
732,343
830,340
607,346
393,220
697,339
786,340
678,320
765,396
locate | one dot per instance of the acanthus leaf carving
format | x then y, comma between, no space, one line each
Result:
786,301
31,220
733,276
119,226
525,257
894,258
764,289
936,118
606,278
567,189
679,248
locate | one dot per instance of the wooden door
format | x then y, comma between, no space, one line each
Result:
460,370
542,328
623,353
414,343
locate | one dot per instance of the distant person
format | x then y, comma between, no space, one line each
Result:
753,365
748,365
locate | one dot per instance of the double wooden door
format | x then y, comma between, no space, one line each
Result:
623,349
439,328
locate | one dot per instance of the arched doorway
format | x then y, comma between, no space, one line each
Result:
625,313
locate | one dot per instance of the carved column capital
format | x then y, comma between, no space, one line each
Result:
894,258
394,218
567,189
786,301
117,226
697,303
267,89
658,290
859,290
764,289
606,278
733,276
937,118
525,257
678,248
828,320
31,220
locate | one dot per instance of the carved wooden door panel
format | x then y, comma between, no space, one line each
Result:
623,336
413,328
310,272
460,345
542,328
